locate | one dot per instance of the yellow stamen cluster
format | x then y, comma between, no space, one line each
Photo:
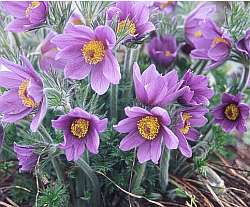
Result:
77,22
166,4
22,92
186,117
168,53
126,25
198,34
93,51
79,128
232,112
218,40
148,127
32,5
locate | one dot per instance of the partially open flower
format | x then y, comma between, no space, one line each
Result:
28,14
25,95
189,118
26,156
132,16
89,52
165,6
198,91
81,130
75,19
147,130
243,44
151,88
231,113
163,50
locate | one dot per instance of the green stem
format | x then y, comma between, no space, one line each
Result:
138,176
18,43
164,169
55,162
244,80
113,102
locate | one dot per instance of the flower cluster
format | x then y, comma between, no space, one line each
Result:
171,105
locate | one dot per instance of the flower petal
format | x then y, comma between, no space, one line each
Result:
93,141
170,139
132,140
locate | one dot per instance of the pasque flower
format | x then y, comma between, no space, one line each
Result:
188,118
81,130
146,131
243,44
163,49
89,52
198,91
165,6
26,156
75,19
231,113
25,93
151,88
28,14
133,16
49,51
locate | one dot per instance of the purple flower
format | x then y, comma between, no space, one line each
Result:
28,14
131,15
89,52
81,130
153,89
25,95
193,22
26,156
165,6
49,51
198,91
231,113
146,131
188,119
243,45
163,50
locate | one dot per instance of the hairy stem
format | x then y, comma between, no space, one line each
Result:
244,79
137,179
164,169
113,102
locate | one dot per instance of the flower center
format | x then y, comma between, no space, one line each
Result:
232,112
198,34
22,92
165,4
126,25
32,5
77,22
186,117
218,40
93,52
79,128
148,127
168,53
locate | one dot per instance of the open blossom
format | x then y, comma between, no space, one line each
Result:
151,88
49,51
163,50
25,93
89,52
165,6
243,45
198,91
188,119
231,113
81,130
146,132
133,16
28,14
195,19
26,156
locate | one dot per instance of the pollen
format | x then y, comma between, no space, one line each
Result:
93,51
79,128
126,25
186,117
218,40
232,112
198,34
166,4
32,5
22,92
148,127
77,22
168,53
